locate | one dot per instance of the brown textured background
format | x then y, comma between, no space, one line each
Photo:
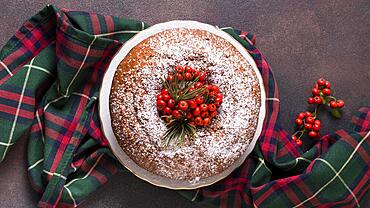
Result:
302,40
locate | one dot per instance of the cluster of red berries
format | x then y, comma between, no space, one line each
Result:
307,121
322,95
189,98
186,73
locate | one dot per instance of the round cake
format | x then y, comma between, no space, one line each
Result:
134,116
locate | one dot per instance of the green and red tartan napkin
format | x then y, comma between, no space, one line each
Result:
50,76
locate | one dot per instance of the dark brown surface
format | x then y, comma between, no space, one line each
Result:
302,40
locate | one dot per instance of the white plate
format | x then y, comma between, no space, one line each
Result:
105,118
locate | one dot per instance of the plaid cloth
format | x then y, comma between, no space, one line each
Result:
50,75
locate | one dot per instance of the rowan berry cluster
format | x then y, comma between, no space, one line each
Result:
308,122
187,101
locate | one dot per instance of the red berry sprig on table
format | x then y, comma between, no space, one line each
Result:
187,101
322,95
308,122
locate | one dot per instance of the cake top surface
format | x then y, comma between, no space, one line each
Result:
138,127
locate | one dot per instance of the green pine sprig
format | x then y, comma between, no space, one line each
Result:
177,131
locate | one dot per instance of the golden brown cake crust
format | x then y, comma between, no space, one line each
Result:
138,127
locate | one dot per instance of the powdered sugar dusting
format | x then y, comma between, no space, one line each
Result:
135,119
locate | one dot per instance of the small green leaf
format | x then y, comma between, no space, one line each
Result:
321,94
336,113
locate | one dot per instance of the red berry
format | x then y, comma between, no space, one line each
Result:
326,91
209,87
192,104
310,120
333,104
327,84
308,126
294,138
299,121
301,115
188,69
213,114
192,123
215,88
218,100
212,95
321,82
211,107
198,85
340,103
312,134
161,105
203,107
311,100
189,115
164,91
202,77
170,78
166,97
316,127
198,121
171,103
206,121
179,76
315,91
317,99
159,97
205,114
188,76
199,99
196,73
167,111
179,69
308,114
183,105
219,95
318,122
196,112
298,142
176,114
